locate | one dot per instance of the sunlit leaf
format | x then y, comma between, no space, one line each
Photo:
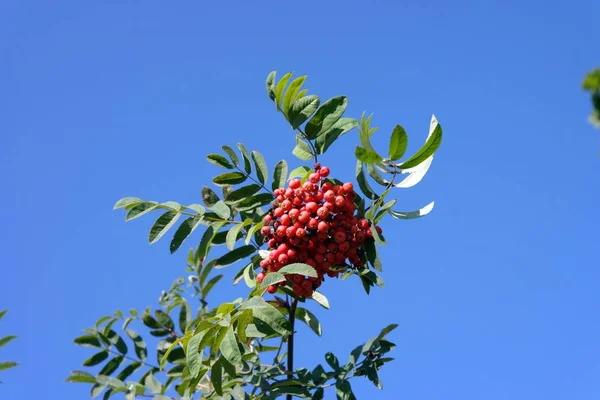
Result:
327,115
398,143
280,175
220,161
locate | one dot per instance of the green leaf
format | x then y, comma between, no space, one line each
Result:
327,115
301,94
271,85
279,88
253,230
235,255
234,158
219,161
128,370
250,275
373,255
194,354
386,330
232,234
343,390
138,344
216,376
241,193
112,365
173,346
229,348
7,365
361,178
221,210
367,155
126,201
80,377
109,381
162,225
210,284
302,150
302,110
185,315
161,397
413,214
299,172
261,167
300,269
116,340
96,359
292,91
140,209
164,319
431,145
321,299
229,178
318,394
268,314
209,197
309,319
87,341
5,340
271,279
246,157
187,227
207,238
332,361
153,384
280,175
149,321
253,202
398,143
3,313
341,127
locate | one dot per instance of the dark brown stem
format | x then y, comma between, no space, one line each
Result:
290,345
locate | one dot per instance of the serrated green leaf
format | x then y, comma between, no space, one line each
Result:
234,256
96,359
302,109
229,178
321,299
341,127
207,238
300,269
431,145
246,157
309,319
164,319
271,279
112,365
280,87
229,348
232,156
187,227
242,193
216,375
292,92
126,201
252,202
268,314
140,209
221,209
367,155
219,161
162,225
80,377
398,143
209,197
87,341
261,167
280,175
361,178
327,115
138,344
194,354
302,150
271,85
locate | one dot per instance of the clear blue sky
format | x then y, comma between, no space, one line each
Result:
496,292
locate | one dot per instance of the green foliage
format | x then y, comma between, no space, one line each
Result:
591,83
4,365
186,349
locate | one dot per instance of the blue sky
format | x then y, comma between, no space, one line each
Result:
495,292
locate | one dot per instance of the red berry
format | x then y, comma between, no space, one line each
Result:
304,216
292,254
348,187
312,207
322,213
326,187
283,258
323,226
280,198
340,236
272,289
290,232
295,183
314,178
294,214
283,248
340,201
307,284
265,231
300,232
280,231
313,224
286,205
289,193
364,224
297,201
329,195
379,229
259,277
324,172
278,212
285,220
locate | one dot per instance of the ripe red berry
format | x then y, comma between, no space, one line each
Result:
294,214
329,195
280,231
265,231
268,218
364,224
297,201
313,224
289,193
307,284
286,205
285,220
304,216
340,201
272,289
278,212
283,258
323,226
322,213
379,229
280,198
290,232
314,178
300,232
312,207
339,236
295,183
259,277
324,172
348,187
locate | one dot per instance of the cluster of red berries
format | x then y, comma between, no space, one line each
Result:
313,223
